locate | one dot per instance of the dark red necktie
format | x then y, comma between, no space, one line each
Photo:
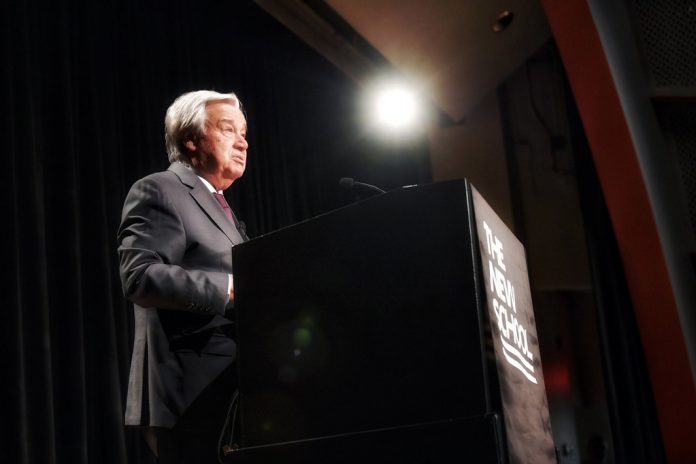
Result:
221,199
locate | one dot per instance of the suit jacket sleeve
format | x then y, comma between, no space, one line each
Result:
152,244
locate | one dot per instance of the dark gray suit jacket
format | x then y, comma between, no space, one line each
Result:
175,251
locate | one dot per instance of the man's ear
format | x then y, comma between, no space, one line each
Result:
190,142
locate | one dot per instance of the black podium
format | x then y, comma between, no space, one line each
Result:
363,334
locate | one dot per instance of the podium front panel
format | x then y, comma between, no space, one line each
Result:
508,302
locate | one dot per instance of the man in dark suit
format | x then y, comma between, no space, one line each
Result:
175,250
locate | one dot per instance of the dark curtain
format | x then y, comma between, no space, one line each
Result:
84,89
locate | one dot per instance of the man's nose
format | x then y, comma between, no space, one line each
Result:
242,143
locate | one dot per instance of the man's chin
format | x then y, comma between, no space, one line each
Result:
231,176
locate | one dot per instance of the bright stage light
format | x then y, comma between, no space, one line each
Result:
395,107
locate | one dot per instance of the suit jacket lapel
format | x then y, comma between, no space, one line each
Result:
205,200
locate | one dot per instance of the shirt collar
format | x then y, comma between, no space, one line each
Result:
207,184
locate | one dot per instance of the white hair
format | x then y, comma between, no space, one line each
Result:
188,114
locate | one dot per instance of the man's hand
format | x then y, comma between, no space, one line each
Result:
230,289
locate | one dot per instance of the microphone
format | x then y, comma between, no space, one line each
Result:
349,182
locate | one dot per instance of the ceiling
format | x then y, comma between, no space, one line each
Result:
446,47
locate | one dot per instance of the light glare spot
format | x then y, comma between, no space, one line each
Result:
302,337
396,108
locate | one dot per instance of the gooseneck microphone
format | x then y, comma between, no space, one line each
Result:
349,182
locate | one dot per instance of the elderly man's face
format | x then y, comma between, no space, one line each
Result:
219,154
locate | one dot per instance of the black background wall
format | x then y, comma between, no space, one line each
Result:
84,87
